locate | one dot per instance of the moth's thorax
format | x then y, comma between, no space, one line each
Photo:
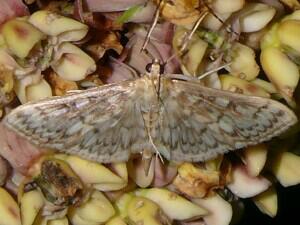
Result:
147,91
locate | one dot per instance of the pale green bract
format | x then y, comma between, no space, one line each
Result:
128,14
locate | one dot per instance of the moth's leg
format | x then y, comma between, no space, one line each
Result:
213,71
195,79
70,92
181,77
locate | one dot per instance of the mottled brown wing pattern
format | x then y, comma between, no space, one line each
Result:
199,123
188,122
102,124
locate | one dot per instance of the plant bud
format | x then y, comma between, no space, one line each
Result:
286,168
9,210
96,210
173,205
31,203
220,211
255,16
289,34
267,202
243,63
66,29
281,71
227,6
20,37
237,85
71,63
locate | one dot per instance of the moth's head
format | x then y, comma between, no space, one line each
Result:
155,68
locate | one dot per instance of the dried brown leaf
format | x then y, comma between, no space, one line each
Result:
60,86
102,42
293,4
181,12
199,181
6,87
101,21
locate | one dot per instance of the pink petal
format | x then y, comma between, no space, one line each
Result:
12,8
16,150
3,171
163,173
159,47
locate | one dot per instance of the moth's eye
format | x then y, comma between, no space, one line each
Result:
148,67
161,69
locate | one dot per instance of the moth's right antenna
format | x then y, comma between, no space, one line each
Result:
227,28
189,36
193,30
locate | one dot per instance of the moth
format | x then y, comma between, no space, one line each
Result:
158,113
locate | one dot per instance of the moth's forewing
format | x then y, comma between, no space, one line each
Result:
199,123
100,124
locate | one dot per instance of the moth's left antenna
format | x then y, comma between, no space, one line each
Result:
154,22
